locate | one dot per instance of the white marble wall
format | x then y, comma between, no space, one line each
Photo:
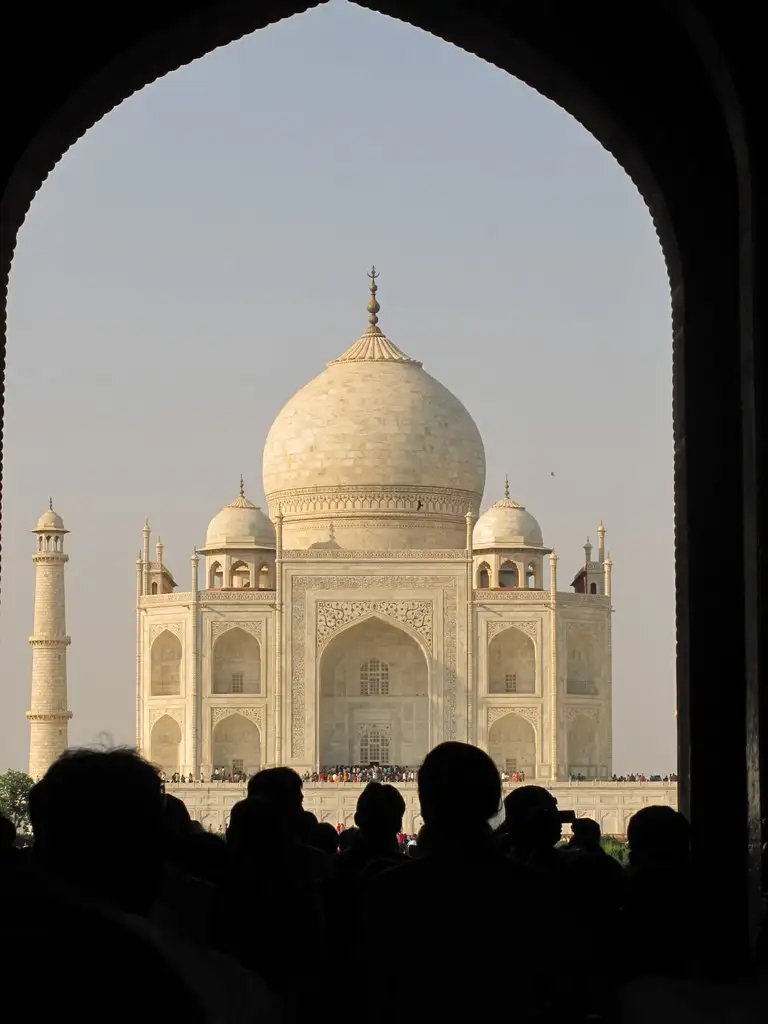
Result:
611,804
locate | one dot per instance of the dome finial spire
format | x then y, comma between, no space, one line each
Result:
506,486
50,504
373,305
242,487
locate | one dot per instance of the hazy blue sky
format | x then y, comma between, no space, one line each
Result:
201,253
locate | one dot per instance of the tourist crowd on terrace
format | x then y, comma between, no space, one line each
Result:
126,904
631,777
359,775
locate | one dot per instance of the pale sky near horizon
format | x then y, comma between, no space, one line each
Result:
201,253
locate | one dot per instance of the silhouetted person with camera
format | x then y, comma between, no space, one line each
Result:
532,827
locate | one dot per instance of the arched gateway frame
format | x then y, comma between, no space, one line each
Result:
686,136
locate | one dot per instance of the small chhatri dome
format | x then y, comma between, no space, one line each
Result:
50,520
507,524
241,524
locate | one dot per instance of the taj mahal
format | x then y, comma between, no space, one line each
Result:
373,609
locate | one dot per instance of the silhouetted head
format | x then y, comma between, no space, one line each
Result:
380,810
459,788
325,837
98,818
658,836
178,821
253,827
531,819
281,785
348,838
586,834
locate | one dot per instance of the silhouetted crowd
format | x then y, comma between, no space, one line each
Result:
124,909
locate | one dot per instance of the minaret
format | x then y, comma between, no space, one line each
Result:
601,543
145,535
48,715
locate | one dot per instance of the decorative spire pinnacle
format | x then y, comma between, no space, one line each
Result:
242,487
506,486
50,504
373,305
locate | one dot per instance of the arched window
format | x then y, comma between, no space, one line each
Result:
216,578
374,678
483,577
374,746
240,576
593,588
508,575
530,577
264,577
154,588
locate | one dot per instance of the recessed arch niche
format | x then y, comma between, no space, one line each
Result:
374,703
511,662
236,745
165,744
236,663
165,665
512,744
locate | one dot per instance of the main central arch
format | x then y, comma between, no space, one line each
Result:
374,697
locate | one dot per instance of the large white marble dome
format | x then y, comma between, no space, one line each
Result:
377,447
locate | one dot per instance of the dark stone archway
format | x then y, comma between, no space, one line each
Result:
670,88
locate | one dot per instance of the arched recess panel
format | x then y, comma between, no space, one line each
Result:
236,663
512,745
236,745
165,744
511,662
165,665
374,704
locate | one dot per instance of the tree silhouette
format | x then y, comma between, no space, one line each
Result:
14,798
